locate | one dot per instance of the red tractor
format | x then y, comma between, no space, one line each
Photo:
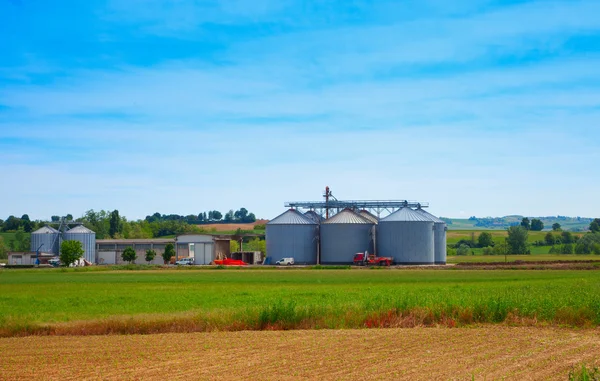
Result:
366,259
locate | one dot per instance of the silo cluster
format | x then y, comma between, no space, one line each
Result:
86,237
409,236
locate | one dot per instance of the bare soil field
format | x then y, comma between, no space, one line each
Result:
232,227
489,353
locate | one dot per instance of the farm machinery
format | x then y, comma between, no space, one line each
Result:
366,259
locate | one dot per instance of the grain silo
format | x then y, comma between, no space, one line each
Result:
407,236
292,235
344,235
45,239
439,237
86,237
369,216
314,216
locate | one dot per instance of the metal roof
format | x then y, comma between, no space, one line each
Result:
431,216
406,215
347,216
369,216
80,229
45,230
291,217
313,216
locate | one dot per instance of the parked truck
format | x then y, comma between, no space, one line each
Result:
366,259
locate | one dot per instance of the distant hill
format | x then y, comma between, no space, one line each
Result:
575,224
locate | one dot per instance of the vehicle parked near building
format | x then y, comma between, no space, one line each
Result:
285,261
366,259
185,261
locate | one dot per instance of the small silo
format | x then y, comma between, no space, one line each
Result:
407,236
439,237
314,216
86,237
292,235
344,235
48,238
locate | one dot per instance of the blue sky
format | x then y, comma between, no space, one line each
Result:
480,107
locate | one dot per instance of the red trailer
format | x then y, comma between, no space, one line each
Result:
365,259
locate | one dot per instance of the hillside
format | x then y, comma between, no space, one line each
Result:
576,224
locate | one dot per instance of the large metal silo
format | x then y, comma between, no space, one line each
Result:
314,216
407,236
439,237
292,234
48,238
369,216
86,237
344,235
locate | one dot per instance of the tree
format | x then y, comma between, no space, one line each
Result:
556,226
229,216
168,253
485,239
70,252
217,215
20,242
517,240
549,239
525,223
567,237
566,249
55,218
462,250
69,217
595,225
3,249
537,225
150,255
129,254
115,223
587,244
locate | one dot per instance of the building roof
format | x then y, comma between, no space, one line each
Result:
431,216
291,217
136,241
45,230
313,216
348,216
406,215
80,229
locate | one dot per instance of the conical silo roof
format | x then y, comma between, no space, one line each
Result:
406,215
431,216
80,229
369,216
347,216
313,216
291,217
45,230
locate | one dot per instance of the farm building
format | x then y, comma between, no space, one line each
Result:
28,258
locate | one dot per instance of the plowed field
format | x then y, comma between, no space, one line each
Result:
411,354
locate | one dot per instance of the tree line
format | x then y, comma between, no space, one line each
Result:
213,216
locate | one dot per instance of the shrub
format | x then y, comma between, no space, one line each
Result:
488,250
70,252
462,250
260,227
129,255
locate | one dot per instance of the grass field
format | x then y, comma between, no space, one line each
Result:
490,353
453,236
67,302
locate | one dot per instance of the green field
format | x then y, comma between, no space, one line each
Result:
31,299
525,258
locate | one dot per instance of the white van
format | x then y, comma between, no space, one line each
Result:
285,261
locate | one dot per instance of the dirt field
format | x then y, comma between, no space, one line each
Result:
233,227
413,354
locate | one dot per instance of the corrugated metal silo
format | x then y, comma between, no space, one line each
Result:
314,216
292,234
47,236
369,216
407,236
344,235
86,237
439,237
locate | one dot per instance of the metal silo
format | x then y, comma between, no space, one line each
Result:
48,237
439,237
292,234
314,216
344,235
86,237
407,236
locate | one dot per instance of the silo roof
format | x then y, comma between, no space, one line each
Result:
347,216
431,216
369,216
291,217
45,230
313,216
80,229
406,215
